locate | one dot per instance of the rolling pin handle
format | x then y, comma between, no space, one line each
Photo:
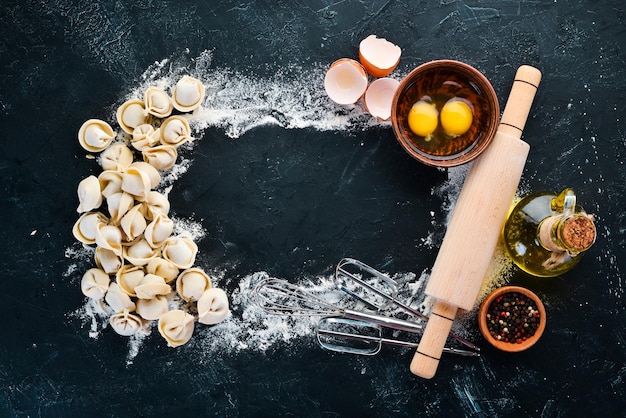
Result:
426,359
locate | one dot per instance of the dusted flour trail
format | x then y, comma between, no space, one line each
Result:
236,103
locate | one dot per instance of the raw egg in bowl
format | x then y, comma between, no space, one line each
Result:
445,113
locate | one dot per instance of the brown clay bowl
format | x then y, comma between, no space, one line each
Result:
511,346
442,80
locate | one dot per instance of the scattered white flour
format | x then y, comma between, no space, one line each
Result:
236,103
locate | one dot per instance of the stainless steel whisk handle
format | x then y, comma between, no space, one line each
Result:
383,321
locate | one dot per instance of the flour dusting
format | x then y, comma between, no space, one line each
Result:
293,98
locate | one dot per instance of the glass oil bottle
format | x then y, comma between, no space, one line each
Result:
546,233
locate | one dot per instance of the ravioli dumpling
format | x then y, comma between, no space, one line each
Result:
176,326
89,194
188,94
95,135
95,283
125,323
180,250
213,306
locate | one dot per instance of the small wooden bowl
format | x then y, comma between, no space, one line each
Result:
443,80
511,346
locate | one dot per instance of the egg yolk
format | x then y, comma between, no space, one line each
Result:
456,117
423,118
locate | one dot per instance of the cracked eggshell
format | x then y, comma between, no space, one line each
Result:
379,56
95,135
345,81
379,97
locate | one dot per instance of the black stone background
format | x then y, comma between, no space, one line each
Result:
65,61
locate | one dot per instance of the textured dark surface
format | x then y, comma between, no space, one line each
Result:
292,202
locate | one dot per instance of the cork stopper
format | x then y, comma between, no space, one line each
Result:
578,232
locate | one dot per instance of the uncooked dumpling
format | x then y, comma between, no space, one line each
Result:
160,157
95,135
89,194
163,268
157,102
119,204
118,300
158,230
86,227
181,251
125,323
133,223
191,283
152,309
213,306
109,237
107,260
151,286
154,204
137,183
176,327
95,283
128,277
188,94
175,131
131,114
145,136
117,157
140,252
110,182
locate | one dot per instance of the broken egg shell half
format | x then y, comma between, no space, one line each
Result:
345,81
188,94
379,97
379,56
132,114
95,135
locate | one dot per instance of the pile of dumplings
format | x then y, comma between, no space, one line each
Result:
141,268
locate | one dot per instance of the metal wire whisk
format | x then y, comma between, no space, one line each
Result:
280,297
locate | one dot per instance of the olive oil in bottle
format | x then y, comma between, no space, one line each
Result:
546,233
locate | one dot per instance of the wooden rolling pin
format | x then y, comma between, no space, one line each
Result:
476,223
